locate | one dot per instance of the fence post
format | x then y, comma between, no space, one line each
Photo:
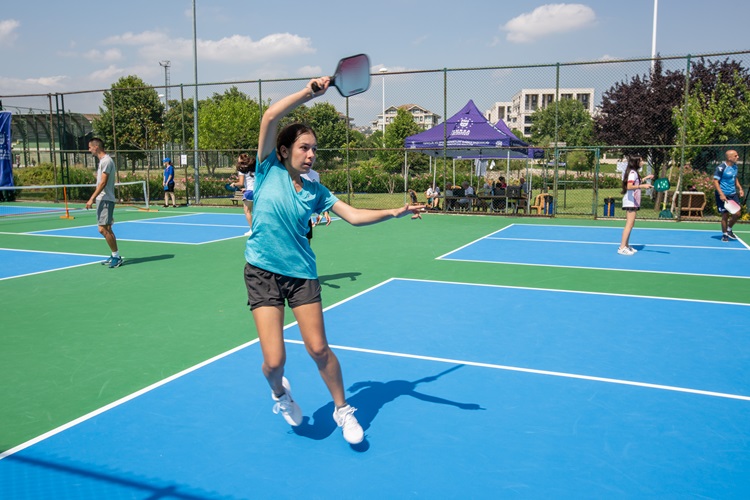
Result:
682,136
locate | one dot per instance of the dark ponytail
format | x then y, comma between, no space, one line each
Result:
245,163
634,163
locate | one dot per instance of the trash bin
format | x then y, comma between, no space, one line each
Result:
549,205
609,207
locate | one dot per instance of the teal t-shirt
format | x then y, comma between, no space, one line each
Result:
279,241
726,175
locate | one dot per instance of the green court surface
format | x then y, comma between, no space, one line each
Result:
75,340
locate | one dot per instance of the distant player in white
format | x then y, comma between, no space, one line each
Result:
313,176
631,201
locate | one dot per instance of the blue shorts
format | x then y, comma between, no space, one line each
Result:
720,204
247,195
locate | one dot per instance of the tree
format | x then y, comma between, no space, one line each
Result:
229,121
138,118
574,124
392,157
640,112
180,113
329,125
721,116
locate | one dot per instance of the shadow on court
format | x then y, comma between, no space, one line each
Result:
106,480
325,280
370,397
150,258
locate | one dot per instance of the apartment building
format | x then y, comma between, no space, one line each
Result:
422,117
517,113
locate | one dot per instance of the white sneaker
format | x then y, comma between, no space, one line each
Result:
249,233
286,405
625,251
344,418
633,250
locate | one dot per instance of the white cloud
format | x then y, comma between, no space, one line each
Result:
420,40
239,48
236,48
310,71
548,20
8,31
32,85
145,38
106,56
107,74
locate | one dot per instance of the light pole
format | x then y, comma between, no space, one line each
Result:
195,110
165,65
653,37
383,71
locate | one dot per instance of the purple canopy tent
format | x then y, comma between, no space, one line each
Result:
469,136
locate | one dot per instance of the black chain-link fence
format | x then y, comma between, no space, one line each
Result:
680,114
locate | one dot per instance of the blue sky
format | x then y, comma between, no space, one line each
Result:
81,45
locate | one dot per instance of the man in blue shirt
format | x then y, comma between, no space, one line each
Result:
168,182
727,188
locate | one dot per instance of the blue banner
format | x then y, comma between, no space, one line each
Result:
6,155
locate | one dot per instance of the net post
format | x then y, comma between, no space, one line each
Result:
65,198
145,198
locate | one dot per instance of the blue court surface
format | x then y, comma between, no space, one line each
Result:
455,404
6,210
191,229
678,251
17,263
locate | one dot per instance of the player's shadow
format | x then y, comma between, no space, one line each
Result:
150,258
370,397
327,279
644,248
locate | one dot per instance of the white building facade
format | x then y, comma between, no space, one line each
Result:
517,113
422,117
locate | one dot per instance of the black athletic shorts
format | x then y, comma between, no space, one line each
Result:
265,288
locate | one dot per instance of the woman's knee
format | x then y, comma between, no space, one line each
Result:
320,352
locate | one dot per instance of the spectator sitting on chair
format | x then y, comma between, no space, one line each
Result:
524,187
433,196
468,193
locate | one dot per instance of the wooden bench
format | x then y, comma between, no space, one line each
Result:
237,198
692,203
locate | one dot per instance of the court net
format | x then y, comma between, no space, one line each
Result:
59,200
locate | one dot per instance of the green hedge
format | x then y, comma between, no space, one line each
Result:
43,175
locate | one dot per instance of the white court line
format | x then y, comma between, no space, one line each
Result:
560,290
539,372
49,251
77,237
120,401
154,221
442,257
620,227
54,269
531,370
638,229
595,268
158,384
191,369
578,242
